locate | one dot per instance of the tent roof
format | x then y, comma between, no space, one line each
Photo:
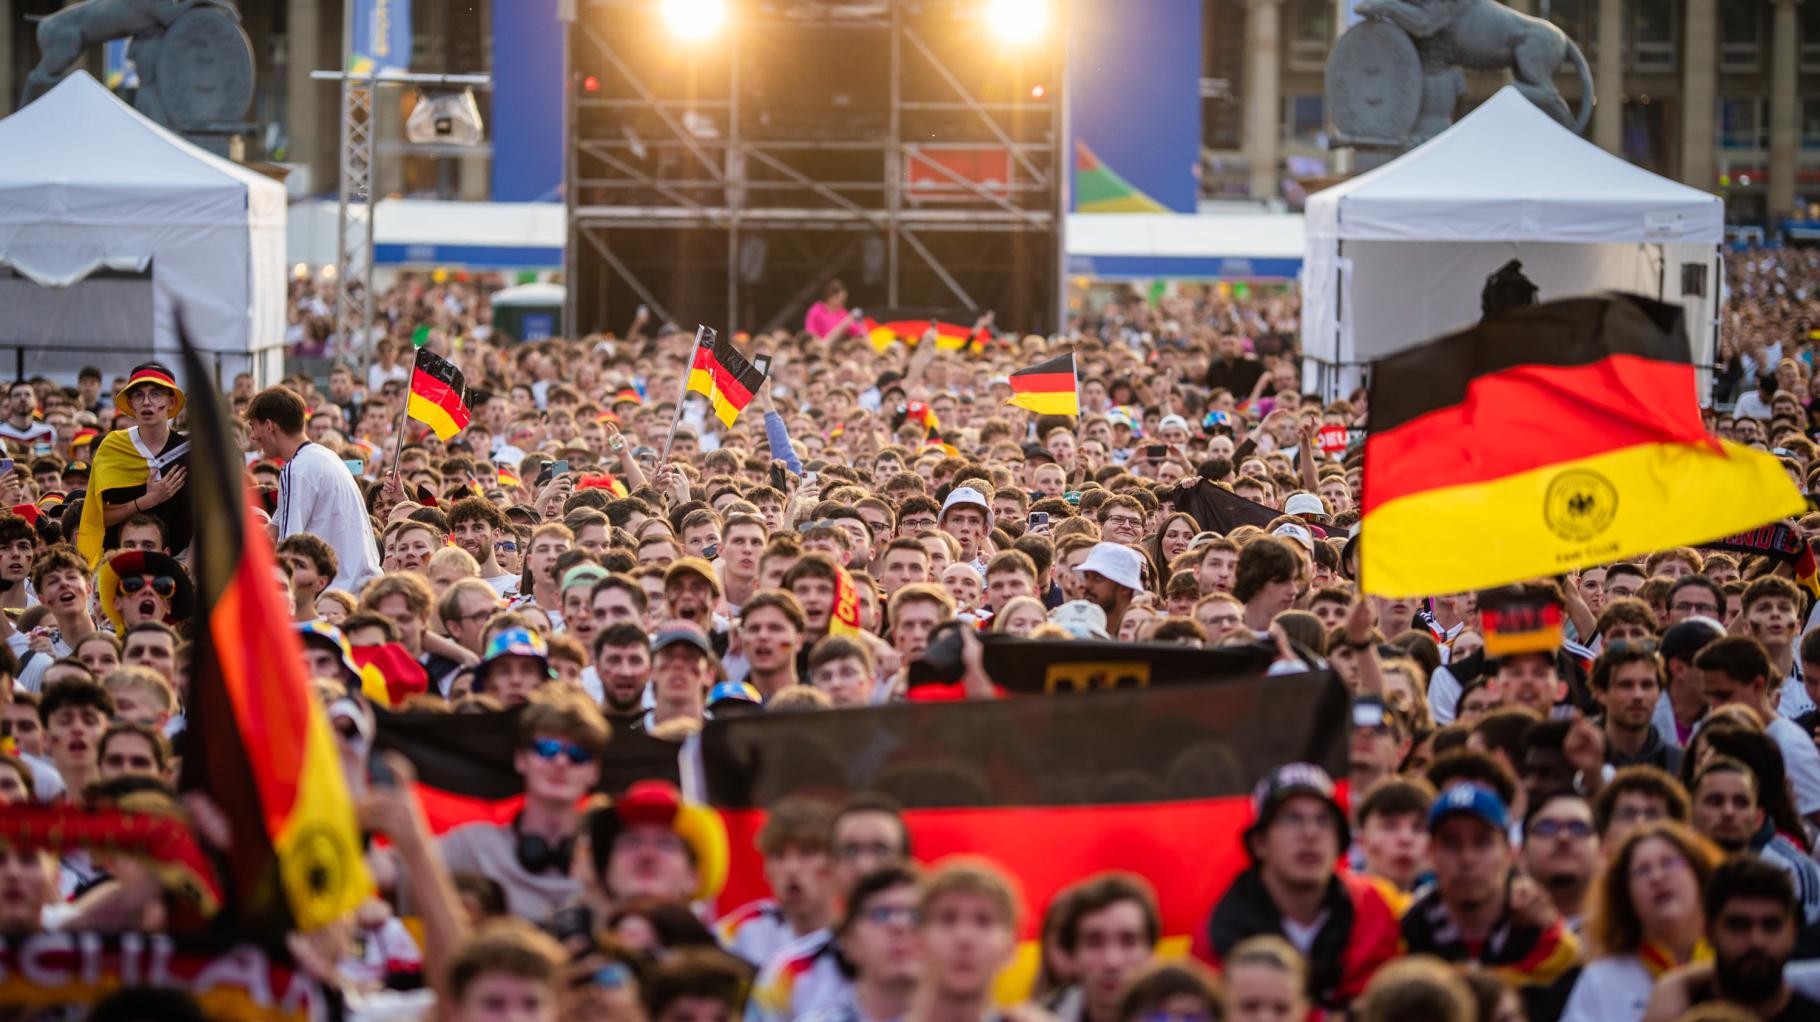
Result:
1509,172
80,155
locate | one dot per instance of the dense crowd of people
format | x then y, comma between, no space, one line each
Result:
1618,827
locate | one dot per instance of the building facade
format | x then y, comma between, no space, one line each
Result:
1720,94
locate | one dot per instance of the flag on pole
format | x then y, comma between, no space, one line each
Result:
438,395
1544,440
1047,388
723,376
256,742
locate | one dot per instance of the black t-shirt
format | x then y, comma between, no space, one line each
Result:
179,527
1800,1007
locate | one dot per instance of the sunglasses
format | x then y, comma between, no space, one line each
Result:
550,748
1555,828
163,585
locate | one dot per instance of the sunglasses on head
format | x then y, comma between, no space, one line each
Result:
550,748
163,585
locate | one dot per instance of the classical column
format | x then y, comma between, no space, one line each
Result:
1699,58
1263,102
304,98
6,59
1784,109
1608,78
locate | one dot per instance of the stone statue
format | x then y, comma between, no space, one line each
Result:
1393,80
195,62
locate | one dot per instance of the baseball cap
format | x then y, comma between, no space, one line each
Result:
1685,638
1304,503
1473,799
1285,783
966,495
678,633
691,566
1289,530
515,642
582,574
734,692
1121,564
1172,420
1081,619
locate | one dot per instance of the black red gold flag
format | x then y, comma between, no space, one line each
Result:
723,376
1047,388
1548,439
257,742
438,395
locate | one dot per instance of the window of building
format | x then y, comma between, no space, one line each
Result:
1742,124
1310,33
1810,37
1652,32
1810,124
1578,18
1740,36
1304,119
1647,141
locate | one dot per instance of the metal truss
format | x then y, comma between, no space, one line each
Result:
641,159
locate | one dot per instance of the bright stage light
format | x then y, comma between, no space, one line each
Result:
695,19
1018,22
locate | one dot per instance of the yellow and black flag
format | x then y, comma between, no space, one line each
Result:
1544,440
1047,388
439,395
257,742
722,375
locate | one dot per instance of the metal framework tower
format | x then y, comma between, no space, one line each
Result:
894,144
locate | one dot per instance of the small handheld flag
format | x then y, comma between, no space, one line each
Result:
438,395
1047,388
723,376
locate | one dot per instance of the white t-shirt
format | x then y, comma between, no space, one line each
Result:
1801,761
317,494
377,376
34,432
1611,989
503,584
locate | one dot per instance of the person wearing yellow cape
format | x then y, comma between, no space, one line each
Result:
141,469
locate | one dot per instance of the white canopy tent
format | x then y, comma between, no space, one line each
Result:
109,224
1400,255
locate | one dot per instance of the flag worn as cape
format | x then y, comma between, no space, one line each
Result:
117,465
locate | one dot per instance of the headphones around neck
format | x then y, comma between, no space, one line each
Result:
537,855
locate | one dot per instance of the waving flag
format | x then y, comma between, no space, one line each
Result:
723,376
1047,388
438,395
1544,440
257,742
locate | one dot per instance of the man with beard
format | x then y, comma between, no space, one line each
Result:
1751,923
1112,576
1561,851
794,844
1479,910
475,525
770,636
1340,922
622,663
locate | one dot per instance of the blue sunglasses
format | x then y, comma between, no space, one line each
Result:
550,748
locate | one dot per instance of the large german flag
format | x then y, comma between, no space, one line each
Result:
257,742
1053,789
1047,388
722,375
438,395
1544,440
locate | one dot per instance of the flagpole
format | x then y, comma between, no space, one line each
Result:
684,395
403,415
